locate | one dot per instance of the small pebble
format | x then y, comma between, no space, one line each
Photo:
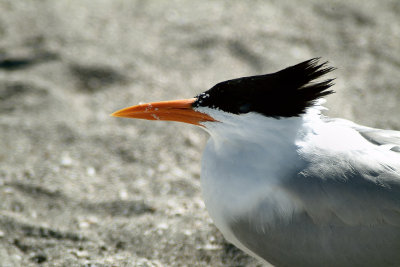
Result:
91,171
66,160
163,226
84,225
39,258
123,194
81,253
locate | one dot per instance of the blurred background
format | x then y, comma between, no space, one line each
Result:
80,188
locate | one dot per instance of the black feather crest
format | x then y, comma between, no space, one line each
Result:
286,93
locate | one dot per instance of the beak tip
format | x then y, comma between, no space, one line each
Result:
118,113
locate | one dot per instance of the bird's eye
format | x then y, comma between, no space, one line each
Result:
244,108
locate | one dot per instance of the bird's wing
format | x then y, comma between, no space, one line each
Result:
347,206
379,137
353,194
341,222
382,137
348,215
358,186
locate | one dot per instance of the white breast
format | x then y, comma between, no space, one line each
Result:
244,166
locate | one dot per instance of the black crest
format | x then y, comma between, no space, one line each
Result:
286,93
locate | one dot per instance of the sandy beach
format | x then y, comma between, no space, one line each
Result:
81,188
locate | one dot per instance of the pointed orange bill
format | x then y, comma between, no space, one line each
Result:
175,110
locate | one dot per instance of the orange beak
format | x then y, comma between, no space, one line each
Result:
175,110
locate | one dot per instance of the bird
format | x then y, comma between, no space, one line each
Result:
285,183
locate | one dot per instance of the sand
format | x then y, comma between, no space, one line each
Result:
81,188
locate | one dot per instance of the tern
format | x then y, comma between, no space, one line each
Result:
286,184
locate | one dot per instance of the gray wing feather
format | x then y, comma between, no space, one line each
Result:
349,218
359,189
352,222
383,137
378,137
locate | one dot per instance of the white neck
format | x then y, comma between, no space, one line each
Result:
253,134
247,153
247,158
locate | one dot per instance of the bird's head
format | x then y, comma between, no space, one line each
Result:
283,94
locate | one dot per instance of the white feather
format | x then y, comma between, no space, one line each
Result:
250,161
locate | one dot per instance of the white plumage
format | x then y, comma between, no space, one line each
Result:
303,191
